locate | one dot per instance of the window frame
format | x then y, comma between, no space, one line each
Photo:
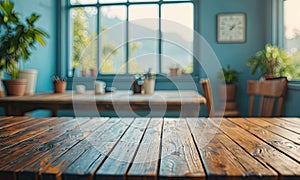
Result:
63,43
278,31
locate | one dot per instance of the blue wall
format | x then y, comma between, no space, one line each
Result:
258,15
236,54
43,58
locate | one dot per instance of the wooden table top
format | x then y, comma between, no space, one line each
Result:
169,96
187,102
86,148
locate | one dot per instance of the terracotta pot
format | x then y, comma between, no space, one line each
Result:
15,87
93,72
59,86
2,94
230,90
268,76
173,71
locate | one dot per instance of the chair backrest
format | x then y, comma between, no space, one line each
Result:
270,92
206,89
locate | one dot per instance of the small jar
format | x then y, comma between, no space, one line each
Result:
137,84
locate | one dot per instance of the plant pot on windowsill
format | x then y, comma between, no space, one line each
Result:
93,72
174,71
59,86
15,87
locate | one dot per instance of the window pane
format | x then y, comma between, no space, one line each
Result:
112,41
177,37
292,34
83,1
143,38
83,34
112,1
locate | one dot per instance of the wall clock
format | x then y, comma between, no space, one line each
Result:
231,28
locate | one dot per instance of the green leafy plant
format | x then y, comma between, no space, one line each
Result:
17,38
270,61
230,76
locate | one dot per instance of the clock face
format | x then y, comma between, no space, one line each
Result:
231,28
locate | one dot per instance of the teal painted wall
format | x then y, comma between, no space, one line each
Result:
43,58
236,54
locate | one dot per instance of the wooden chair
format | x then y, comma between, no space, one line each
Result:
212,112
270,92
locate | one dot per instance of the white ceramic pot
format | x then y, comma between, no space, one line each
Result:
30,75
149,86
100,87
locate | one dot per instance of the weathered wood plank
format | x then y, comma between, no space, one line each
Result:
102,142
288,147
119,160
23,124
51,150
284,124
292,120
179,156
17,154
16,150
290,135
27,152
266,154
28,132
214,146
11,120
145,163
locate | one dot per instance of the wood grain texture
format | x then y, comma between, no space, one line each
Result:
149,148
117,163
102,141
284,124
290,148
57,167
179,156
24,131
146,161
263,152
221,156
48,151
283,132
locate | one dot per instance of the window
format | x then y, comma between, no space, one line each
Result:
130,36
292,35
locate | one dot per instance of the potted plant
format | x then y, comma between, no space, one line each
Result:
174,70
271,61
229,76
59,84
17,39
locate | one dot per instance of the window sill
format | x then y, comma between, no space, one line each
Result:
159,78
125,81
294,85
